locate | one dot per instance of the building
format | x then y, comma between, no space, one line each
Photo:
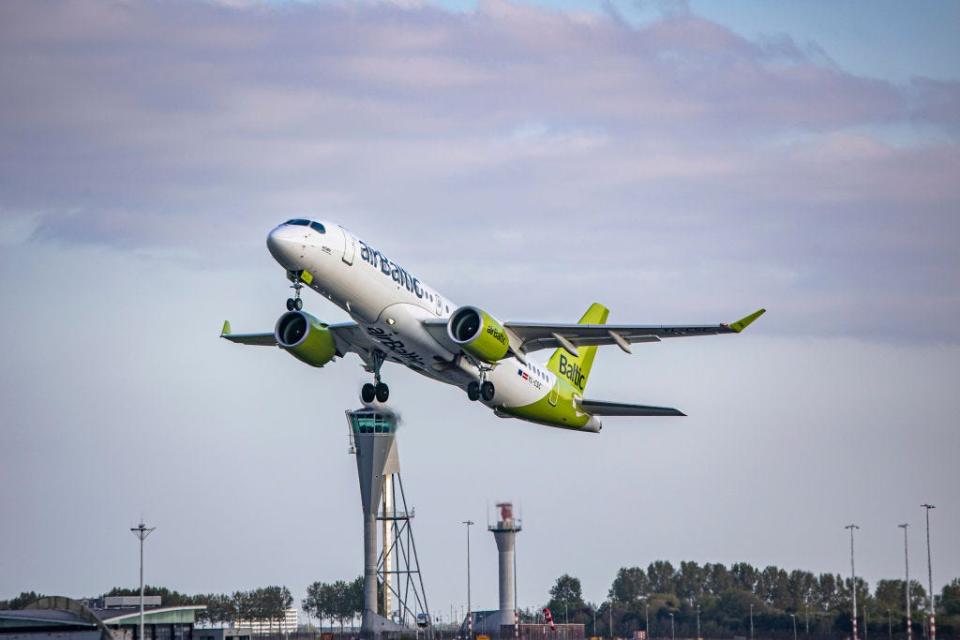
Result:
61,618
288,624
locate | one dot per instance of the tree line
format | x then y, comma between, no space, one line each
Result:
724,599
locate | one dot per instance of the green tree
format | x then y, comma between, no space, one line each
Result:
21,601
630,585
662,577
566,595
950,597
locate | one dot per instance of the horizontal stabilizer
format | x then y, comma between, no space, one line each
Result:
600,408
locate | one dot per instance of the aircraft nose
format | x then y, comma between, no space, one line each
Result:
282,244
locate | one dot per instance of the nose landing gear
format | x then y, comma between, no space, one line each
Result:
378,390
295,303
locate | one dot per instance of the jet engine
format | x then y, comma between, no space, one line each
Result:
305,338
479,334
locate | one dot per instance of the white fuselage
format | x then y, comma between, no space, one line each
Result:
389,304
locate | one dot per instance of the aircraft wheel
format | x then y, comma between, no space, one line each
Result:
298,304
473,391
382,391
368,393
487,390
290,304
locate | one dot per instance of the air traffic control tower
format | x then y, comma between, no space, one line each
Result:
389,551
505,532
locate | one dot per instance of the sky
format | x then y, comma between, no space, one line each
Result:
681,163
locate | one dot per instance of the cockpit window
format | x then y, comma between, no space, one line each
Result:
300,222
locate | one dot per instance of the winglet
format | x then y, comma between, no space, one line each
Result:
226,329
745,322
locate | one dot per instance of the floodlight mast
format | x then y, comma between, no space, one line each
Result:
141,531
906,565
933,613
853,579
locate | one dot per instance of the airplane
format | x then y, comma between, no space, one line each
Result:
399,318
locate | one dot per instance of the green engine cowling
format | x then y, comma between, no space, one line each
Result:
479,334
305,338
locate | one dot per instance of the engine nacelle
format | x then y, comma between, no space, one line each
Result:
479,334
305,338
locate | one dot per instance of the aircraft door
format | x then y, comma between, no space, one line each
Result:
349,247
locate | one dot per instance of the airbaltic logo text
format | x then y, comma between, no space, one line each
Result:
391,269
572,372
497,334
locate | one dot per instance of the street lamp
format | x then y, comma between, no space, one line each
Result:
469,523
673,631
698,622
141,531
751,621
794,616
853,580
933,613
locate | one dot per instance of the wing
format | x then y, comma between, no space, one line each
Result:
347,336
536,336
261,339
600,408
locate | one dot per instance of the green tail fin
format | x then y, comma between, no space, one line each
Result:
576,368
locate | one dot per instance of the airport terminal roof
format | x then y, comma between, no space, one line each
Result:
67,613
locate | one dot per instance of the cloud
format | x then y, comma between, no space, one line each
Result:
685,146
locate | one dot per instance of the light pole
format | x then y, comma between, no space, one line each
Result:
794,616
933,613
469,523
751,621
610,617
673,632
698,623
889,625
853,580
906,566
594,620
141,531
646,617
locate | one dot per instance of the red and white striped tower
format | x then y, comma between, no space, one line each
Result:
516,624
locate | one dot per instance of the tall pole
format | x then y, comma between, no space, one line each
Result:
853,580
646,615
469,523
673,631
698,623
610,618
141,531
906,566
794,616
933,613
751,621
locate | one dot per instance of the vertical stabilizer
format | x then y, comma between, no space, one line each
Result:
576,368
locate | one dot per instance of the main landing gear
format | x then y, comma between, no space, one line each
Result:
295,303
378,390
483,389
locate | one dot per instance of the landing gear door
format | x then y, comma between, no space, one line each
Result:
349,246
